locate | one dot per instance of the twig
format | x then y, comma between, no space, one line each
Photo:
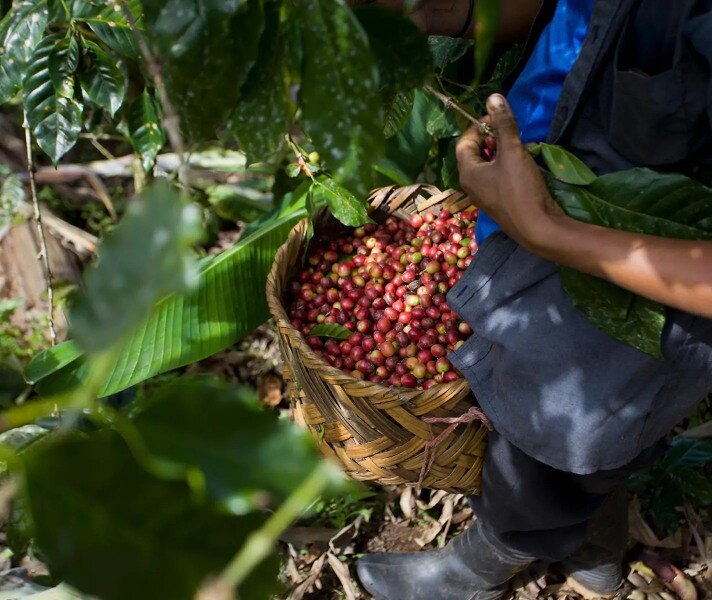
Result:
450,104
171,120
101,148
442,78
102,193
40,230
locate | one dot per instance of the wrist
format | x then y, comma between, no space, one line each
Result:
551,235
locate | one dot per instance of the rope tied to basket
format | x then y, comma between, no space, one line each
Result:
472,415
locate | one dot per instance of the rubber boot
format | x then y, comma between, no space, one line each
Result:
473,566
596,569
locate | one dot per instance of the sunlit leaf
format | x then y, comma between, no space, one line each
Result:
148,256
108,21
54,119
102,81
63,62
398,109
331,330
565,166
145,130
343,204
21,30
228,303
46,363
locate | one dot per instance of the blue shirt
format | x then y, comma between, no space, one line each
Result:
536,92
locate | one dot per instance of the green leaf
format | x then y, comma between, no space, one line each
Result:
55,121
238,202
408,150
207,50
687,452
696,486
445,49
505,65
145,131
108,21
265,110
108,528
565,166
343,204
101,79
228,304
623,315
223,430
331,330
341,110
147,256
441,122
398,109
638,201
400,48
486,25
51,360
20,31
63,62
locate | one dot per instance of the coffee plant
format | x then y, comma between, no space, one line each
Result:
191,483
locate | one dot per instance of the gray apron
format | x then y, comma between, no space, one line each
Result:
556,387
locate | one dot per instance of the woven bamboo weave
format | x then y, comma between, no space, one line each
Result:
377,432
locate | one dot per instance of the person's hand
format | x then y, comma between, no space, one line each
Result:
510,188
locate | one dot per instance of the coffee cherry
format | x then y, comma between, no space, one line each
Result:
390,292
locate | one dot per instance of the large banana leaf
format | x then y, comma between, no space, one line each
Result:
228,303
638,201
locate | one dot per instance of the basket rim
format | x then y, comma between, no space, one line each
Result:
279,313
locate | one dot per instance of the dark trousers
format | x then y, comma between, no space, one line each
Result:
541,511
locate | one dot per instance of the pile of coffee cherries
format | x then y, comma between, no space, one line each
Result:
386,283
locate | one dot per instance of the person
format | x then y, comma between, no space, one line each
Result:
620,83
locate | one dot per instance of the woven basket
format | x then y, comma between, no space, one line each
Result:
377,432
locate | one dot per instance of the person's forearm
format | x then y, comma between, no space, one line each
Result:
674,272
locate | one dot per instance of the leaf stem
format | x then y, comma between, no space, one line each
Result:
260,543
44,257
450,103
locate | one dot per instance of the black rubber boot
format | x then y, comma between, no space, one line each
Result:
598,565
473,566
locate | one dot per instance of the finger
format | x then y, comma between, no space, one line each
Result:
469,147
504,125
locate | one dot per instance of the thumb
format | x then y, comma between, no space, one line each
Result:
504,125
